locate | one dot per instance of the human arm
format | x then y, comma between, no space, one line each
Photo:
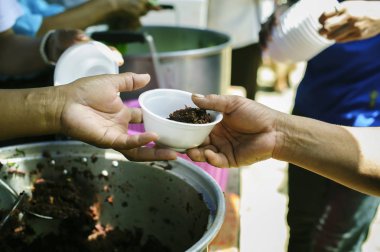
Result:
21,54
354,20
345,155
93,12
89,110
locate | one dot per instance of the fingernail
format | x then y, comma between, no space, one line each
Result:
199,96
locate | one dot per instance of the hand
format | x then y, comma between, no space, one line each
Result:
352,22
92,111
60,40
135,8
126,13
246,134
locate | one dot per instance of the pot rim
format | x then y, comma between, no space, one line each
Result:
199,52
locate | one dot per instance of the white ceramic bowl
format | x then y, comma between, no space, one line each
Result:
85,59
158,104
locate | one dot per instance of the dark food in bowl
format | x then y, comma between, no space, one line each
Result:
191,115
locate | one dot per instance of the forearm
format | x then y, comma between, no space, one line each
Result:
19,54
29,112
80,17
345,155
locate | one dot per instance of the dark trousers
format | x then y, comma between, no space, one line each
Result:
245,63
326,216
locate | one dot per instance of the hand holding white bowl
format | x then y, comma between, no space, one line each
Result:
158,104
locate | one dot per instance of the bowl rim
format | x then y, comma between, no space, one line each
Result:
218,115
101,49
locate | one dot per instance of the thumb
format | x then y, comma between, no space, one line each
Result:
212,102
131,81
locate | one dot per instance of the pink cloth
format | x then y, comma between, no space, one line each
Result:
220,175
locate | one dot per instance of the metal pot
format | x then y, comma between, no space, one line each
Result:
176,201
190,59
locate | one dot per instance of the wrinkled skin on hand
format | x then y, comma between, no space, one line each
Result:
92,111
247,133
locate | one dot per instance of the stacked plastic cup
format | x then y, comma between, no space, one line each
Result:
296,36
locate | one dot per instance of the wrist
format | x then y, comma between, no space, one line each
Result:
56,101
43,110
283,131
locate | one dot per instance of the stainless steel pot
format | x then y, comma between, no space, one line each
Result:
176,201
190,59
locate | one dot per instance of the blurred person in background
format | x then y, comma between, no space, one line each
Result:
23,55
282,72
241,20
341,85
40,16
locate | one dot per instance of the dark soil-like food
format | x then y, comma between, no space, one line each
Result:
78,231
191,115
58,199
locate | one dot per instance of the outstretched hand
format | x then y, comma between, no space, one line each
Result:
93,112
246,134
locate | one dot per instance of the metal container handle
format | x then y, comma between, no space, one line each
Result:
121,36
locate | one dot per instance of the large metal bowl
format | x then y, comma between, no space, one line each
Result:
176,201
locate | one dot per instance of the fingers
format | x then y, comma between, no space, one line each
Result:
209,155
80,36
212,102
351,36
117,56
149,154
130,81
337,11
125,141
136,115
216,159
198,154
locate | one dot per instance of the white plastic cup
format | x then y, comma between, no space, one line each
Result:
296,37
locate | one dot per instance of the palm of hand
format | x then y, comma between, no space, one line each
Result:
94,113
240,148
106,129
246,135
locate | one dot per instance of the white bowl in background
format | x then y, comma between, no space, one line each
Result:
84,59
158,104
